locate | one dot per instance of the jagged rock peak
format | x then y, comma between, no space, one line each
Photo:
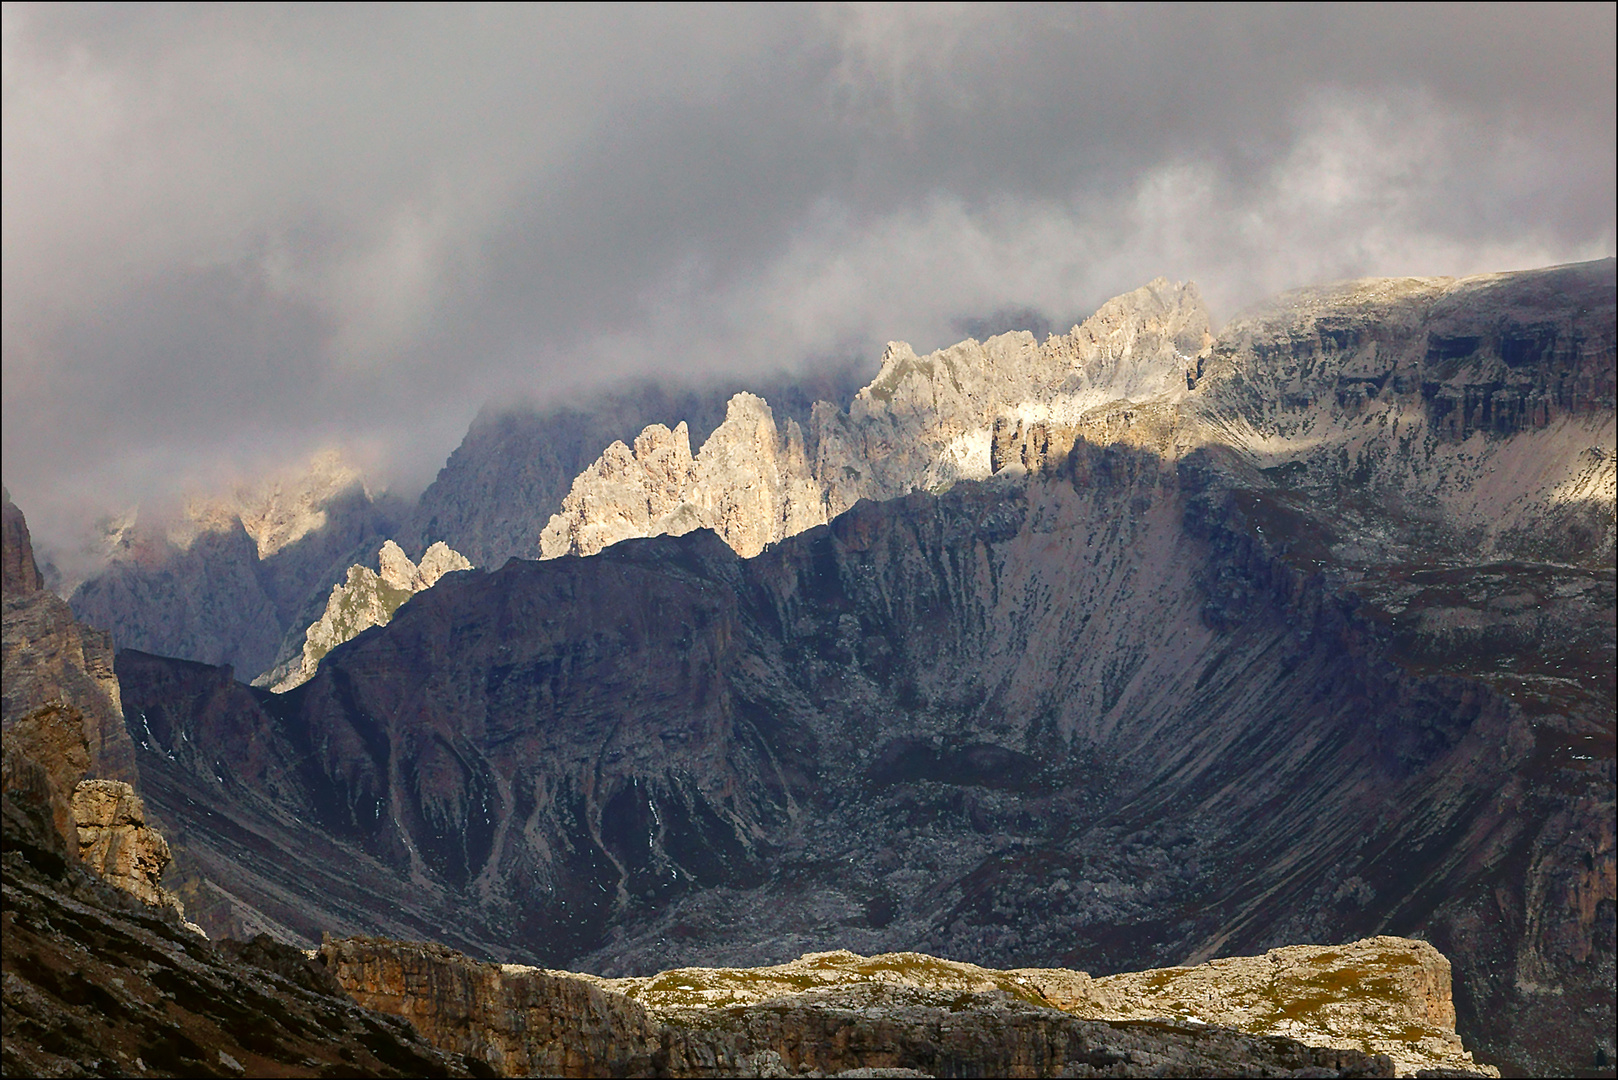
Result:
751,483
17,551
274,512
923,422
282,509
365,599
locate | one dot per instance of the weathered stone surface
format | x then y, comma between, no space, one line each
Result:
510,474
97,983
49,659
52,738
368,598
20,574
231,577
1382,995
525,1023
750,484
922,423
115,841
822,1015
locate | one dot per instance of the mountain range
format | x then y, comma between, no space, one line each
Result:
1133,646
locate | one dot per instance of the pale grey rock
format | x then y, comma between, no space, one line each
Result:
922,423
365,599
235,575
500,487
751,483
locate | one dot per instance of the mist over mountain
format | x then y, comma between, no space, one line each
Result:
1133,646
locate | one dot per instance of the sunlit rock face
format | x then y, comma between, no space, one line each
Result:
368,598
1260,658
509,476
830,1013
922,423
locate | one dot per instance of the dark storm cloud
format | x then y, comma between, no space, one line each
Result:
234,234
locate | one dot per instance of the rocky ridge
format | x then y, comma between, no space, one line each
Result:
51,659
368,598
1268,659
922,423
99,982
821,1015
231,578
510,474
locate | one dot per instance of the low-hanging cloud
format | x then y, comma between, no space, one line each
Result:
233,235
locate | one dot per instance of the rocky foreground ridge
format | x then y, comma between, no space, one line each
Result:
104,977
1373,1008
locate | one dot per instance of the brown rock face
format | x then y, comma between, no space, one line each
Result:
20,574
116,843
822,1015
99,984
49,658
525,1022
52,739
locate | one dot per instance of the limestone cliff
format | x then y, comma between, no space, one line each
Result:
510,474
750,483
102,821
368,598
923,422
49,658
115,841
822,1015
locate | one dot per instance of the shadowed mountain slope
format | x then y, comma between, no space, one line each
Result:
1286,653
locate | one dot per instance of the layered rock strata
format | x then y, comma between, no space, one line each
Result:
814,1018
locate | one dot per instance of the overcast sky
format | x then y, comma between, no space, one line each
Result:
235,235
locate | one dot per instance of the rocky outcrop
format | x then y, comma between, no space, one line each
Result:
824,1015
368,598
524,1023
102,822
1384,995
47,756
21,575
750,484
49,659
230,578
510,474
98,983
115,841
922,423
